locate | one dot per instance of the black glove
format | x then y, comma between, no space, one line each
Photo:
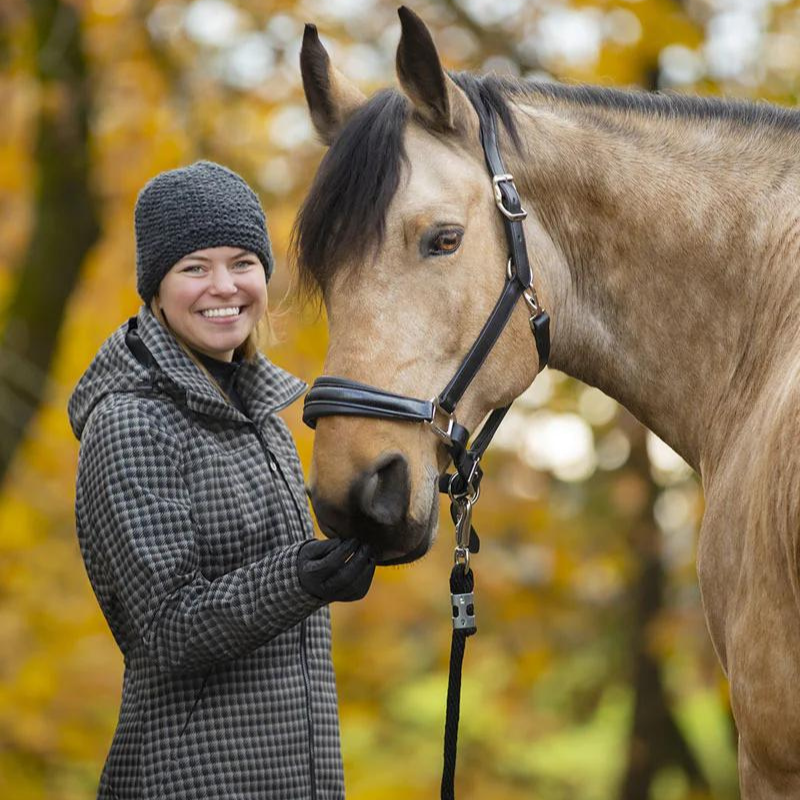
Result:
336,569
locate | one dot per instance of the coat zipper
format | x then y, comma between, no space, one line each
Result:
307,682
275,467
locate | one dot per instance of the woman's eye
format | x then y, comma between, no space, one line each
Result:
192,267
244,264
445,242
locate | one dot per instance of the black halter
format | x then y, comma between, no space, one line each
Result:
331,396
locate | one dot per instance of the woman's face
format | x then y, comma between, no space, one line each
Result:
213,298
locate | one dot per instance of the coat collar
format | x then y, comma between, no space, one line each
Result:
264,387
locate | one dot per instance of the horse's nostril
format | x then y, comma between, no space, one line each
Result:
383,493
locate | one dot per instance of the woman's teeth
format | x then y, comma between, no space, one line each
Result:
221,312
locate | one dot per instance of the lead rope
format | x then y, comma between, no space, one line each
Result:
462,600
461,585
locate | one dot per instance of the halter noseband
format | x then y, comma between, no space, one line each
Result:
332,396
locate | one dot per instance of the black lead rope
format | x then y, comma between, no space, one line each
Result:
462,603
462,583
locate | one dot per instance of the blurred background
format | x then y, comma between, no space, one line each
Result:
592,677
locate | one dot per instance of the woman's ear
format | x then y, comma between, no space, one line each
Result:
331,97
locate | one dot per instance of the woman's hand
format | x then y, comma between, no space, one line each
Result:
336,569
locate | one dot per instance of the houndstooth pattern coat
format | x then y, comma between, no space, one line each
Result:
189,517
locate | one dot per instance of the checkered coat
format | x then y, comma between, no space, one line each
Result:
189,517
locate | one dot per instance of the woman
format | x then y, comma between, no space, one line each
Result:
193,523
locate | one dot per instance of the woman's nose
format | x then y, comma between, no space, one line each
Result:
222,281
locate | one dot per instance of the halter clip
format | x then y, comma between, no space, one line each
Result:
464,524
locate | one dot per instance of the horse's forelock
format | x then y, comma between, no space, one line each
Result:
345,210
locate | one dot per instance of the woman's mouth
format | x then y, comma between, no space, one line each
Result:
222,313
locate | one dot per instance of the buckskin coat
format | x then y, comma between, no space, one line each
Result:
189,516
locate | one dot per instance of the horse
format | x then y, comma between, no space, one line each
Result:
664,236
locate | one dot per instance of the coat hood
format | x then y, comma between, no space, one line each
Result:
264,387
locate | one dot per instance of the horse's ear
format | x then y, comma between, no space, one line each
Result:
331,97
432,91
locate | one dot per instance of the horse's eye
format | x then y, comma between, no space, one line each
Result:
445,242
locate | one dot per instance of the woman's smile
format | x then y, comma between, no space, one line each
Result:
223,315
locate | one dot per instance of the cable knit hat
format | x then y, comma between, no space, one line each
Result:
191,208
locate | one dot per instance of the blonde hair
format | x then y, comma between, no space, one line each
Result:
248,350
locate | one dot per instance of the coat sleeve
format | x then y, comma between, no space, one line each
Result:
136,508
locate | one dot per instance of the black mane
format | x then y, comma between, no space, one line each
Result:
344,213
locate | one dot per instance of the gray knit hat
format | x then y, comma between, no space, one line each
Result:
191,208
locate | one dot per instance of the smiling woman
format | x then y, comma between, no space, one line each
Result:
214,299
193,522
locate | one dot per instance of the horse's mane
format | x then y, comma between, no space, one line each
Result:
660,104
344,213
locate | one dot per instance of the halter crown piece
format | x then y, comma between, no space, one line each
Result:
331,396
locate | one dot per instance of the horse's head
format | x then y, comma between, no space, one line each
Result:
401,234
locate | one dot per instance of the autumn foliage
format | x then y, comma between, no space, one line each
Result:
592,675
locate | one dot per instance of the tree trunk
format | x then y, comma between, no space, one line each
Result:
655,739
65,223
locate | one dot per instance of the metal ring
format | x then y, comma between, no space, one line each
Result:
471,494
461,556
453,497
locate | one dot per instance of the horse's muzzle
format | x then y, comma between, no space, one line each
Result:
377,511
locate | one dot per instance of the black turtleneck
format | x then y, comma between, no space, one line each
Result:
225,374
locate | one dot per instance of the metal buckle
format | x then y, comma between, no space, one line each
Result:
514,216
443,433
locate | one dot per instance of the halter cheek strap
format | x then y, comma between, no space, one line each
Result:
334,396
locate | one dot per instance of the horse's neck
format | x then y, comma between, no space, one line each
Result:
675,278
